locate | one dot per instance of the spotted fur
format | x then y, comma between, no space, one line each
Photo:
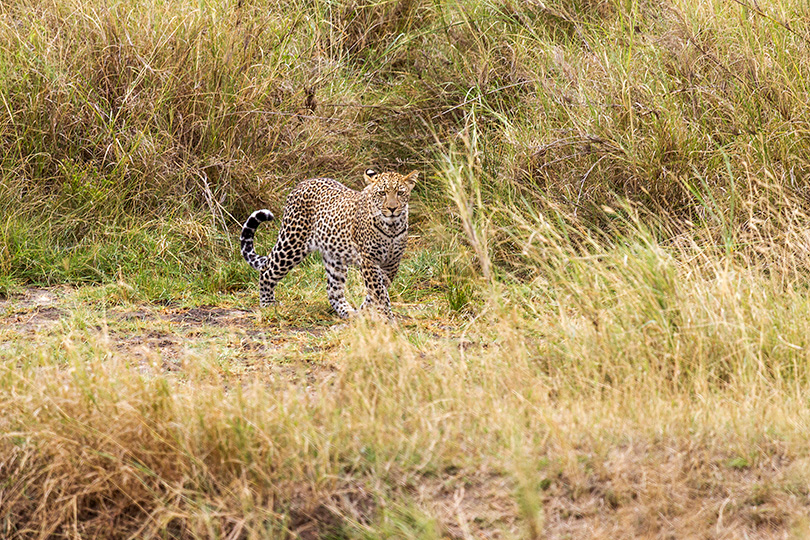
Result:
367,228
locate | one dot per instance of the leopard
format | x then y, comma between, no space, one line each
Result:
367,229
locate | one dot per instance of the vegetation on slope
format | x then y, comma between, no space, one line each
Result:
602,324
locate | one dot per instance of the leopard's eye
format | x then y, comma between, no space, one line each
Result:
402,193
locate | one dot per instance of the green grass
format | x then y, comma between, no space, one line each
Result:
601,319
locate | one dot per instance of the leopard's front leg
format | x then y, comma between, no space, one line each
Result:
376,287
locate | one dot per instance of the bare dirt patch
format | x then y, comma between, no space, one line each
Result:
210,315
33,297
36,320
476,505
152,347
32,310
157,337
165,337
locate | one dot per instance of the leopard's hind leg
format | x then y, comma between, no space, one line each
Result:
285,255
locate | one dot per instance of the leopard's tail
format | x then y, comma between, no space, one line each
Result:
248,230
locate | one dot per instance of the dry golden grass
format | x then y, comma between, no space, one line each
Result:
634,393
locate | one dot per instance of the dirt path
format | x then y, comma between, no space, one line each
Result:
162,338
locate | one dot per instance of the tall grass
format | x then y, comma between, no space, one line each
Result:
559,397
126,108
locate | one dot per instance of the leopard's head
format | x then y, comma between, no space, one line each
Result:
389,191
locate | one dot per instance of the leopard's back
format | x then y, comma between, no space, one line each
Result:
321,213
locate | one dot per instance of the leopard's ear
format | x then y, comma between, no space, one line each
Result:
410,180
370,176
